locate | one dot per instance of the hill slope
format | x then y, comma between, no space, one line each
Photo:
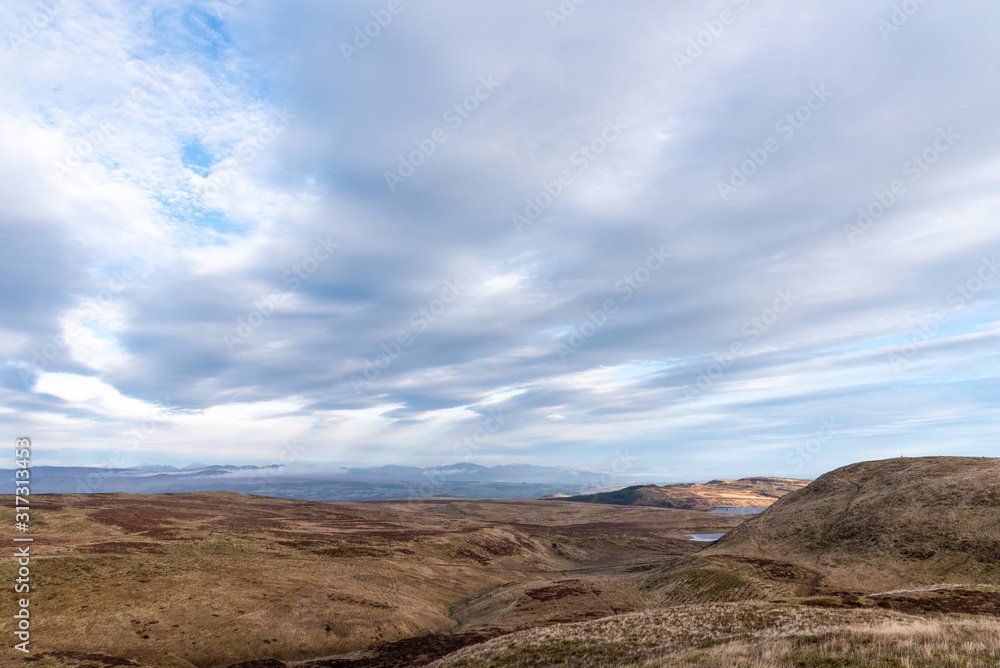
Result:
209,579
882,525
758,492
742,635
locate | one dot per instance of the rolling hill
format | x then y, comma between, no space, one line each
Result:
840,572
210,579
881,525
756,492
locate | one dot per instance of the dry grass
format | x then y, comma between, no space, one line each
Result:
890,524
210,579
745,635
205,580
929,643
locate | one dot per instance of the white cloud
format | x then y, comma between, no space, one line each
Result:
206,157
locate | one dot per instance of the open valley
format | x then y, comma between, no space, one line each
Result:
214,579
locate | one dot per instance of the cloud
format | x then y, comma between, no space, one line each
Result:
196,212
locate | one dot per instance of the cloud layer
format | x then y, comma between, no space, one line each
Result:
697,241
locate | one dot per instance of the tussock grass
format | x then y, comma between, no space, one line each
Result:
745,635
929,643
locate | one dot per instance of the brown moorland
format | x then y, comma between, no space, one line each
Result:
745,635
215,578
882,525
910,534
879,564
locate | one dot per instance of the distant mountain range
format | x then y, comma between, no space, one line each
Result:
462,472
330,484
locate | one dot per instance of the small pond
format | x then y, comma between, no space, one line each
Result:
738,511
705,537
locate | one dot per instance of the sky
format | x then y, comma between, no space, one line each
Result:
675,240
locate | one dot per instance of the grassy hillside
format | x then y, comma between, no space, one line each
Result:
883,525
745,635
757,492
